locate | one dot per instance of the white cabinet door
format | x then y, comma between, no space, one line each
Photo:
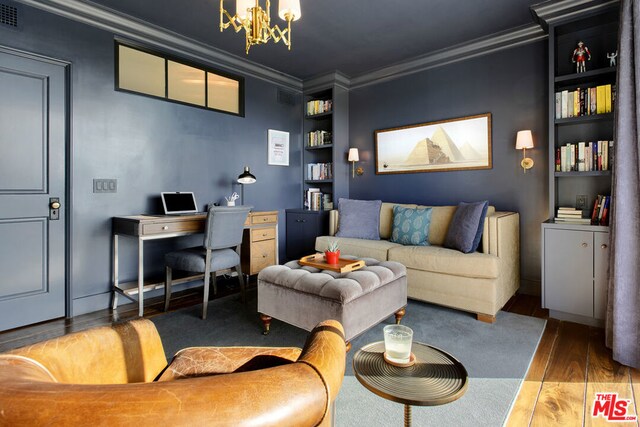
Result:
600,273
568,271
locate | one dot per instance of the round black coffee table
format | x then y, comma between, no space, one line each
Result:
436,377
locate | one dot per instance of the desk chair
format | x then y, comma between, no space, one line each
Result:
220,251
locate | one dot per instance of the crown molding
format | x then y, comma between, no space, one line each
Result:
553,11
160,38
478,47
323,81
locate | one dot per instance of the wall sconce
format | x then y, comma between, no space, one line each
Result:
353,158
524,140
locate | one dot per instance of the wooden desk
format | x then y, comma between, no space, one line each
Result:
259,246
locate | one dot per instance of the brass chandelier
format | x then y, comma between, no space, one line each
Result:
256,21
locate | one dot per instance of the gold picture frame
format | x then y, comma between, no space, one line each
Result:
462,143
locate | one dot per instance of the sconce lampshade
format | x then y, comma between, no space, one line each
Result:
242,6
353,155
246,177
289,7
524,139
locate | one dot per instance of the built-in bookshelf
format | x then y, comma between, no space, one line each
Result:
581,145
325,170
575,237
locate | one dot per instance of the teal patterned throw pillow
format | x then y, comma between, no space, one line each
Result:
411,226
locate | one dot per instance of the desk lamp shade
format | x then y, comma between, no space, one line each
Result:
246,177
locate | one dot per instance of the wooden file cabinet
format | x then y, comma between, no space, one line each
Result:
260,242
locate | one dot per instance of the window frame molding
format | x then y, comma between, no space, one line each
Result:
169,57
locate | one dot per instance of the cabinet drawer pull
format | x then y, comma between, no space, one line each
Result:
264,234
166,227
301,220
584,244
603,246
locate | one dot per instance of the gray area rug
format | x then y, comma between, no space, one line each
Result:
496,357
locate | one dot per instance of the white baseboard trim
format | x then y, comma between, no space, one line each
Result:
90,303
576,318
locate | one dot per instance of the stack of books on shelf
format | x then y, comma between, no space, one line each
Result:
318,106
571,215
585,101
319,171
317,138
601,208
585,156
316,200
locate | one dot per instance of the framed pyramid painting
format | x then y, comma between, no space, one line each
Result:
448,145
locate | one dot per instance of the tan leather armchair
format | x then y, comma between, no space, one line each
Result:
119,376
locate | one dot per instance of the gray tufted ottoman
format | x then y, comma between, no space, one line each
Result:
304,296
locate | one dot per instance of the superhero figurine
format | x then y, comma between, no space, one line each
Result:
580,57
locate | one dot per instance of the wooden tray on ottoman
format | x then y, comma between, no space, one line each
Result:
343,265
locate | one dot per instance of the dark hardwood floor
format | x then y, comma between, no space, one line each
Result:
570,366
19,337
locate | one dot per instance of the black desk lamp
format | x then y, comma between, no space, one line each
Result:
245,178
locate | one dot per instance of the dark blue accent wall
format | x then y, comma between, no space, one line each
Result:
511,85
150,146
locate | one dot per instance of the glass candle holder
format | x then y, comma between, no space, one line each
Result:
397,343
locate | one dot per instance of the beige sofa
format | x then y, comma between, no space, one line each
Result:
480,282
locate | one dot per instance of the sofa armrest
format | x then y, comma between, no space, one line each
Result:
123,353
299,393
503,234
333,222
504,242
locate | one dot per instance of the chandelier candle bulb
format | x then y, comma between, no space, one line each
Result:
289,10
243,9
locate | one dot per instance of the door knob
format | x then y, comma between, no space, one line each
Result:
54,208
584,245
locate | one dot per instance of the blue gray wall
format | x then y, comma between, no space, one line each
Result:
150,146
512,86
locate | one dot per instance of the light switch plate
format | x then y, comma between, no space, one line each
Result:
104,185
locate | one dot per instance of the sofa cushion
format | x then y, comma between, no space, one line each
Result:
411,226
386,218
437,259
358,247
441,217
204,361
466,227
359,219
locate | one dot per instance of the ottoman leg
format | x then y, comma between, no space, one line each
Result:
400,314
266,320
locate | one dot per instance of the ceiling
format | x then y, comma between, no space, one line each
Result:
351,36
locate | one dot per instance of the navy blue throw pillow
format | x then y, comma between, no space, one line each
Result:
465,230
